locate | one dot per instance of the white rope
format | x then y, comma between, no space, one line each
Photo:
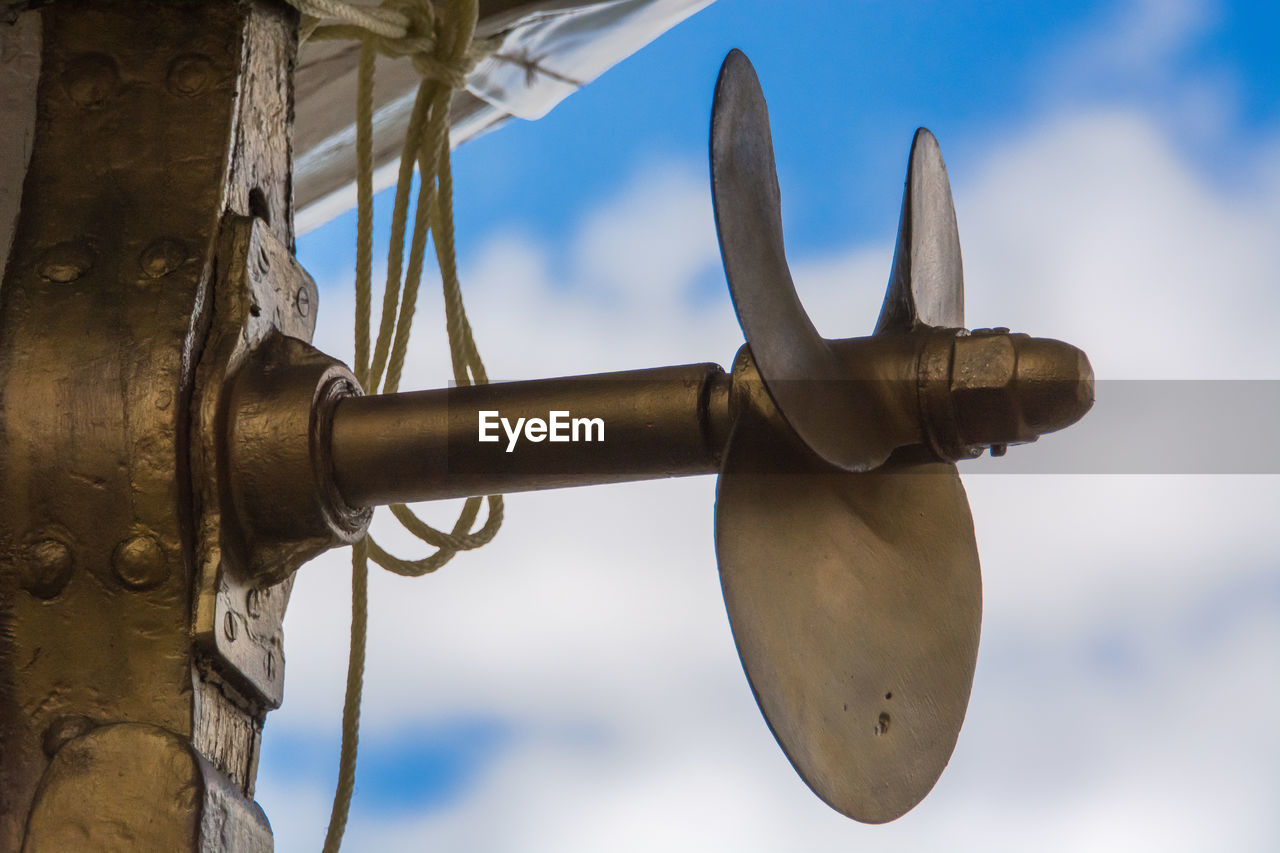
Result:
443,51
377,20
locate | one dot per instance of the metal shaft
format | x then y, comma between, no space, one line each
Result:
542,434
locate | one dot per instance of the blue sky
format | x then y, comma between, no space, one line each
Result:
1116,169
848,82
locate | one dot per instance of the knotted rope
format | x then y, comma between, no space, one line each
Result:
443,49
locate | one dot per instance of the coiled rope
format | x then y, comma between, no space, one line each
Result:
442,47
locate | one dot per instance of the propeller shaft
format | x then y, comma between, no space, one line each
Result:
523,436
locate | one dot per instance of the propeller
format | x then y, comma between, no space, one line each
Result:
845,542
846,549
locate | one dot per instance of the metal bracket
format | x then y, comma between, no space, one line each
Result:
243,583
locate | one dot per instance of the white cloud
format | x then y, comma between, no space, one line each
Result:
1125,697
1093,228
1140,39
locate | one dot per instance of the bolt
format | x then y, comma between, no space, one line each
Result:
139,562
64,729
229,626
48,568
190,74
161,257
302,299
65,262
90,79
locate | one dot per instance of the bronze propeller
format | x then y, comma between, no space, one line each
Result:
844,538
855,598
172,449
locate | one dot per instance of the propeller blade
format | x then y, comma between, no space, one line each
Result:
855,602
838,419
926,286
748,212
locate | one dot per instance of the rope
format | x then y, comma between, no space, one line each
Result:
443,50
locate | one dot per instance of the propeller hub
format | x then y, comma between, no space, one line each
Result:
991,389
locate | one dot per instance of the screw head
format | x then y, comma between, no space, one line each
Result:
161,257
139,562
229,626
90,79
48,567
190,74
65,262
302,299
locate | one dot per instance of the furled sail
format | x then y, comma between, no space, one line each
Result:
542,51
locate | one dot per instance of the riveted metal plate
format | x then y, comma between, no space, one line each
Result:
152,120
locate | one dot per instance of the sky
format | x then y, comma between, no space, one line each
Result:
573,686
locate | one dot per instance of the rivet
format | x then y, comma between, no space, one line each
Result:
229,626
139,562
190,74
64,729
161,257
48,568
302,299
64,262
90,79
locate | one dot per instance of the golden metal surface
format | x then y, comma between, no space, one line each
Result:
172,449
179,801
252,362
423,445
855,601
153,120
850,401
